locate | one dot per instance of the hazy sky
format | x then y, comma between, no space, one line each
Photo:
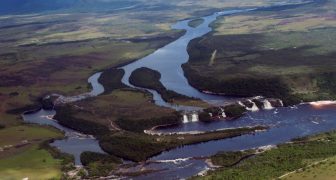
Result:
36,6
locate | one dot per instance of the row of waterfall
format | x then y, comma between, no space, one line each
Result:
266,104
253,105
191,117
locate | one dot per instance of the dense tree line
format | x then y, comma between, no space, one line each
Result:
150,79
90,157
139,125
132,146
65,117
244,87
98,164
111,79
278,161
232,111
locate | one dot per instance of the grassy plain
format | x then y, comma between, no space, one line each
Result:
274,163
322,170
33,163
21,155
16,134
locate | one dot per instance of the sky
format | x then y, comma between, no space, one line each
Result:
38,6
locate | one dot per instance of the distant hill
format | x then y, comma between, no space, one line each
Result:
38,6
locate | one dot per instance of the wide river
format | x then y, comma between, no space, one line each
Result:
286,123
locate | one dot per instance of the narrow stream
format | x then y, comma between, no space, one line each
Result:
75,142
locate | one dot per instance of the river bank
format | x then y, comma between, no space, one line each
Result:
295,156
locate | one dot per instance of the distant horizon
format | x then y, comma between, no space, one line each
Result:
15,7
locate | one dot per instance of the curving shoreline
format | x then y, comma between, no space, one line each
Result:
172,56
74,142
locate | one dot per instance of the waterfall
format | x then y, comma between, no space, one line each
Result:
254,107
281,102
194,117
185,118
223,113
267,104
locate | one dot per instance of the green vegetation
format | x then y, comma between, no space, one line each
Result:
65,159
90,157
322,170
56,52
65,117
53,55
99,164
196,22
139,147
232,77
54,73
30,133
107,111
136,147
120,123
148,78
232,111
276,162
111,79
271,55
137,125
62,64
26,153
33,163
229,159
119,111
